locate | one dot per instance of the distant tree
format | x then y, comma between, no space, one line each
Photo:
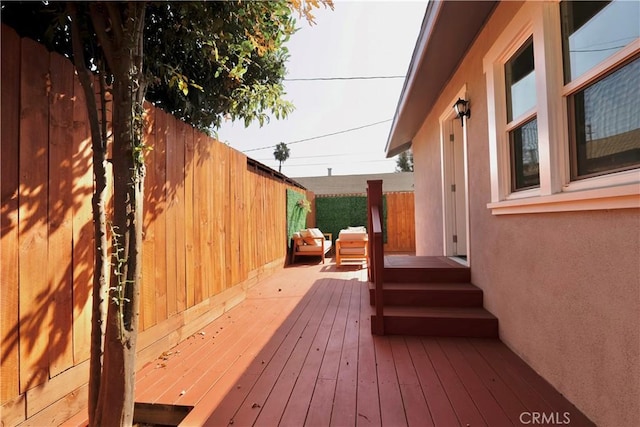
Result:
200,61
404,162
281,154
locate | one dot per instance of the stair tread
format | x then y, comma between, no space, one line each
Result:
421,262
452,286
438,312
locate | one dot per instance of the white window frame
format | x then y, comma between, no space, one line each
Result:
541,20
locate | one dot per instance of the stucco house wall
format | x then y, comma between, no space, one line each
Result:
565,286
427,196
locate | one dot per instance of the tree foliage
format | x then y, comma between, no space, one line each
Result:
404,162
281,153
203,61
212,60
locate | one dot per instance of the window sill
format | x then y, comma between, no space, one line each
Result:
619,197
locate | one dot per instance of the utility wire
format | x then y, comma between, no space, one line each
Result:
316,156
336,163
311,79
320,136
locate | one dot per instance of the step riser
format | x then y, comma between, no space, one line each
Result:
433,275
430,298
440,327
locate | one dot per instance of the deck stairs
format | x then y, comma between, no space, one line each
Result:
432,296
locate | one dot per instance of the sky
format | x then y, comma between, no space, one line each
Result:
357,38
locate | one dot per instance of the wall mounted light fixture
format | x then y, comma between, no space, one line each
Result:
462,109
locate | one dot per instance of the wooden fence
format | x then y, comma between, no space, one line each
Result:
214,223
401,232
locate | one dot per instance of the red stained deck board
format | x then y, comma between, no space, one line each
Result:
232,346
285,328
265,367
224,412
521,370
367,400
275,369
344,403
481,396
184,357
505,396
416,409
225,351
461,402
391,405
282,389
405,369
146,377
320,407
221,409
331,360
440,408
295,411
519,386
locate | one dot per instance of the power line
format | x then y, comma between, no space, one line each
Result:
316,156
291,165
312,79
321,136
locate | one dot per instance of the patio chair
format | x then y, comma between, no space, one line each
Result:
352,244
311,242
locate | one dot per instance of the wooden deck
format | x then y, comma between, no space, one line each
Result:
299,351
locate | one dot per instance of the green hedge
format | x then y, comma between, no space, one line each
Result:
296,215
336,213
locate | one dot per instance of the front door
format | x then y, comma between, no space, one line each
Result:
455,189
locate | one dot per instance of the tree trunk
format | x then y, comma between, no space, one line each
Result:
98,128
123,52
122,315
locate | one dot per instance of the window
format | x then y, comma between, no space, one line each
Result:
563,103
521,102
605,131
524,156
604,113
593,31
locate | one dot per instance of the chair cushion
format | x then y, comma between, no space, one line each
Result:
352,235
315,249
309,238
315,232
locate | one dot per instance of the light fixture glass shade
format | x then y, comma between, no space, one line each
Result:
461,107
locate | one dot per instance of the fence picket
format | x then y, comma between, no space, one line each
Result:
9,183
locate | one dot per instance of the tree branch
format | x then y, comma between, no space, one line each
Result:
99,24
116,21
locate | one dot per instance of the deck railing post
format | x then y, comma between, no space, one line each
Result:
376,251
374,198
371,268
